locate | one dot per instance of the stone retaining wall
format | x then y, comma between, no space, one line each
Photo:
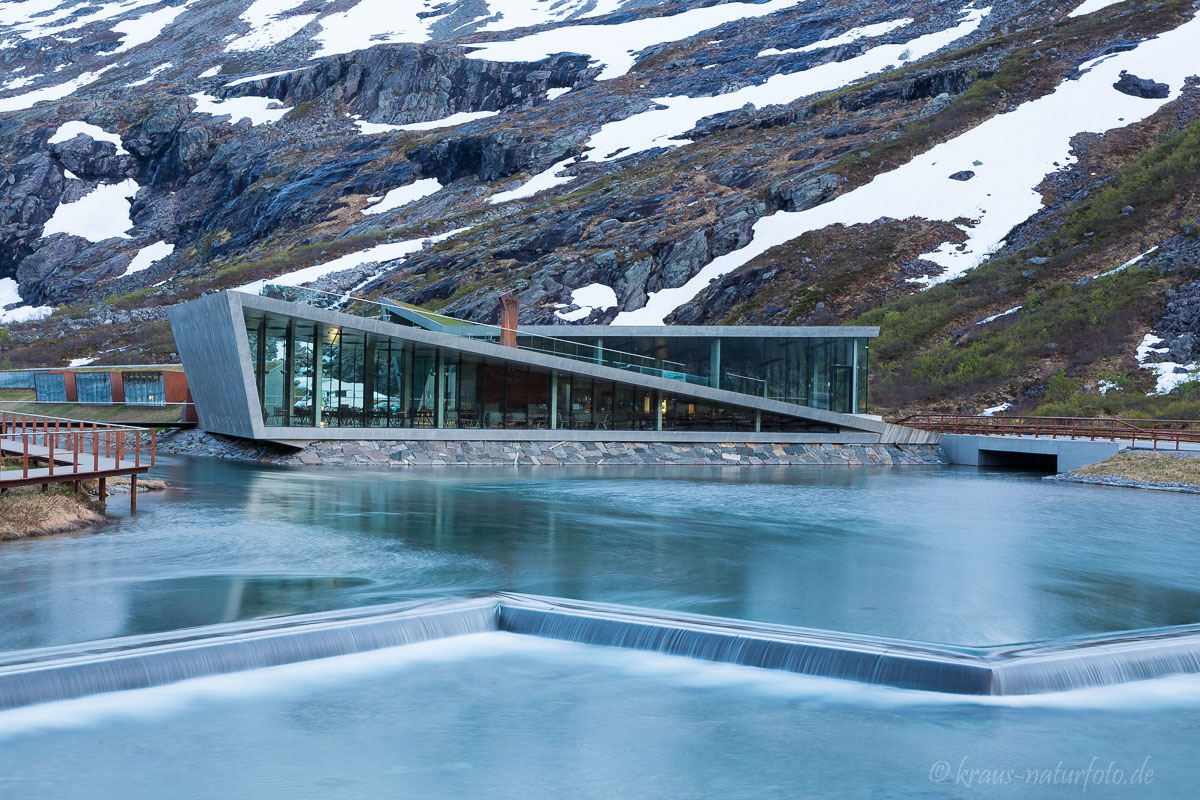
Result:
467,453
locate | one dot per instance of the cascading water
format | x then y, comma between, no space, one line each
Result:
140,662
61,673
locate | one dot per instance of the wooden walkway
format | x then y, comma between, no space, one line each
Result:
56,450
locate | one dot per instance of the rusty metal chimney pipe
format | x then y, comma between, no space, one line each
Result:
510,310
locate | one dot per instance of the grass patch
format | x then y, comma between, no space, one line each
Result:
1148,468
97,413
28,512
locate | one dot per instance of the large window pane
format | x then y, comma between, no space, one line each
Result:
516,395
274,381
538,407
93,387
144,388
50,387
422,402
303,398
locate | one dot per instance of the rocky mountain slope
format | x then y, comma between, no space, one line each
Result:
1008,188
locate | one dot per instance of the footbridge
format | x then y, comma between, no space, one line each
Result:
1058,444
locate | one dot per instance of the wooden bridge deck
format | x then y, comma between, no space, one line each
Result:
54,450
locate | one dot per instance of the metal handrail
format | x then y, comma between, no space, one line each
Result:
1093,428
73,441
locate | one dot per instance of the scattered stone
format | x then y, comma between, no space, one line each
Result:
965,175
1038,261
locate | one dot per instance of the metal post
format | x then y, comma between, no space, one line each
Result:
50,442
154,444
95,448
658,409
714,363
133,492
757,421
439,388
854,378
102,490
553,411
25,455
318,372
289,379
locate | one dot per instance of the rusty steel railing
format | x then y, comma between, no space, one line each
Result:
1150,431
55,449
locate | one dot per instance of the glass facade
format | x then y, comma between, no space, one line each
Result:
828,372
93,387
50,387
144,389
819,372
309,375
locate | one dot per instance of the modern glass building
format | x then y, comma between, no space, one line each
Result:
296,364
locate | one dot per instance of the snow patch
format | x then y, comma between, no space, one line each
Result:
1126,265
1104,387
82,362
69,130
616,46
1170,374
211,72
102,213
593,297
849,37
21,81
554,94
370,128
403,195
994,410
450,121
9,296
147,27
147,256
261,77
538,183
391,251
1092,6
373,22
149,75
268,25
995,317
51,93
259,110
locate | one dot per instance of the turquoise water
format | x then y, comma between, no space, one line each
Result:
502,716
951,555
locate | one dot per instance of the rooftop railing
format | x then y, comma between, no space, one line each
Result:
390,311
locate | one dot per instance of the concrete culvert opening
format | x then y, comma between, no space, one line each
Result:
1040,462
